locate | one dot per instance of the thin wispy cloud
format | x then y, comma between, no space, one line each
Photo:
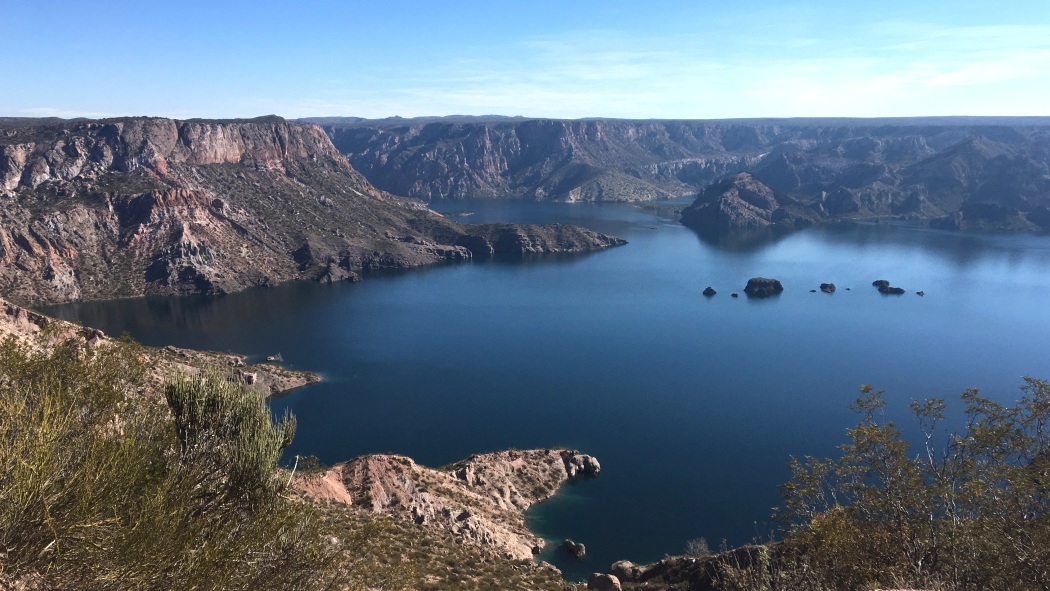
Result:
898,64
804,58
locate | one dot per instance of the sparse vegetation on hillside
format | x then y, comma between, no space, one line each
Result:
101,489
955,511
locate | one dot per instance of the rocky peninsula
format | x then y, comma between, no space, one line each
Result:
481,500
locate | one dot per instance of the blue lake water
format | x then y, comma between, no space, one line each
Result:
693,405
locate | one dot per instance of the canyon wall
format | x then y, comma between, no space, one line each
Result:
954,172
125,207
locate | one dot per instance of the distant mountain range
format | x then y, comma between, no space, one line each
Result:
957,172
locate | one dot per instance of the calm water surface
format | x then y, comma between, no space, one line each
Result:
693,405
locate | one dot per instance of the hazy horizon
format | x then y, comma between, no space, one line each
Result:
613,59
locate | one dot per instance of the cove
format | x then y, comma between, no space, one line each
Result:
693,405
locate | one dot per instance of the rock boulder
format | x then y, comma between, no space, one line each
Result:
601,582
625,570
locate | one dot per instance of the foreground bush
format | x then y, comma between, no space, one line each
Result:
954,511
104,488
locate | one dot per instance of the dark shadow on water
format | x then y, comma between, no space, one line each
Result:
761,300
961,248
747,241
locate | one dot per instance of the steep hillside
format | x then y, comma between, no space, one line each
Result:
959,171
124,207
592,160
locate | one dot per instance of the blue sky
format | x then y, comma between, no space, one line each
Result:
567,59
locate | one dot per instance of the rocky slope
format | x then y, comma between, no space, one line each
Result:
963,172
481,500
124,207
592,160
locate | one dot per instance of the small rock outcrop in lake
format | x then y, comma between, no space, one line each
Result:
709,292
577,549
827,287
884,287
762,287
734,295
601,582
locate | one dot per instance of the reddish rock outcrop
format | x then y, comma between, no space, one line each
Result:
482,499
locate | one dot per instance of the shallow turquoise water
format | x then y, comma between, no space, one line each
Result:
693,405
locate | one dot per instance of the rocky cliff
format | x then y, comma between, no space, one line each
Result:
592,160
124,207
967,172
481,499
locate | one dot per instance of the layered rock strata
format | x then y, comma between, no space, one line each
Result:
125,207
952,172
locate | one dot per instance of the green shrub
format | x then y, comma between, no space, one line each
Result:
101,489
969,511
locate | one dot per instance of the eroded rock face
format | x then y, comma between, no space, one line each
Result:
539,159
125,207
970,173
483,498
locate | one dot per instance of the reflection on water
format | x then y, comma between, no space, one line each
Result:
692,404
745,241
